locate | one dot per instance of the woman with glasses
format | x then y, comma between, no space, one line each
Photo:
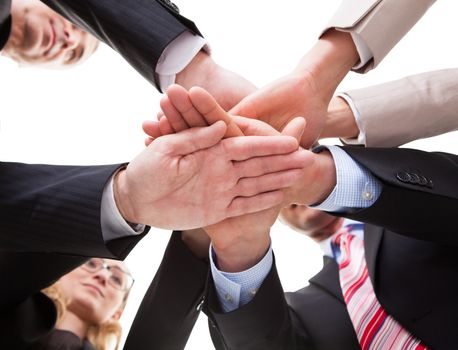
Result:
89,301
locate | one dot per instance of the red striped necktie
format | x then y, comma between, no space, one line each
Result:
375,329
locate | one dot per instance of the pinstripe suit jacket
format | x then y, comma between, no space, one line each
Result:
139,30
411,258
50,215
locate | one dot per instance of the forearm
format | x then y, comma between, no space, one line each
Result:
419,191
373,119
340,121
172,298
404,110
66,206
138,30
328,62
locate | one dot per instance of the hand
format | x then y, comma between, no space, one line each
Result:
293,96
193,179
306,91
180,113
227,87
240,242
197,107
184,109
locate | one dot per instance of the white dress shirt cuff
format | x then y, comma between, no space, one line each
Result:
239,288
176,56
112,223
355,188
365,54
360,123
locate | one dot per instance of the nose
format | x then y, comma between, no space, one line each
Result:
72,38
101,276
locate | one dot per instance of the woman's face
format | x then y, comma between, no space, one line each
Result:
91,295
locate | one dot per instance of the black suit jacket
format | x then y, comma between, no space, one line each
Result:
50,215
414,271
56,208
172,303
139,30
5,22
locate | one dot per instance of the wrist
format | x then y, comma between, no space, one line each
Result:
122,197
340,121
198,72
329,61
318,183
241,255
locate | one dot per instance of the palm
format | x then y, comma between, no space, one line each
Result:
207,181
190,188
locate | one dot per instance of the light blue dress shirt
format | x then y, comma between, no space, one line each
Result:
355,188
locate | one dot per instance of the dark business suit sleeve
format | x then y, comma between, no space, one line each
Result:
49,224
26,314
139,30
420,192
265,323
56,209
171,305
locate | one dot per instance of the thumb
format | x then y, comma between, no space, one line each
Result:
195,139
295,128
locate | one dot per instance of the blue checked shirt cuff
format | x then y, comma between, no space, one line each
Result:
356,187
239,288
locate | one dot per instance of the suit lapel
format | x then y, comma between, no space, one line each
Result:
328,278
372,238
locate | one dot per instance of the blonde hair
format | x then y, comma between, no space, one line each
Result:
103,336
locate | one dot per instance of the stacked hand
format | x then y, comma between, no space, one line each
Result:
194,178
239,241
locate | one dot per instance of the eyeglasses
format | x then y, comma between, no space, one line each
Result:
117,278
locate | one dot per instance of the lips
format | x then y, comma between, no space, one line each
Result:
52,39
94,288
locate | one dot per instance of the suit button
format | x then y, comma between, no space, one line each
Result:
414,178
430,184
403,176
423,181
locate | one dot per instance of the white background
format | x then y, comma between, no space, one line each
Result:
92,114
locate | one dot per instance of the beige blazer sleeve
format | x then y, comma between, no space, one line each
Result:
415,107
379,23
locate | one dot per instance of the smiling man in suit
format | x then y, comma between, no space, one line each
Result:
36,35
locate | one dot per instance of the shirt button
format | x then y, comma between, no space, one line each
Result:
228,298
367,195
253,292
